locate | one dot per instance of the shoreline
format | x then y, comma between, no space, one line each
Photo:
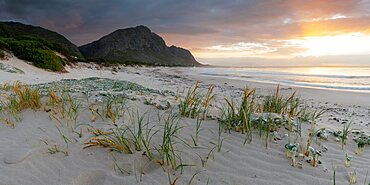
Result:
340,96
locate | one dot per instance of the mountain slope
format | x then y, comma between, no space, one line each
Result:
15,29
137,45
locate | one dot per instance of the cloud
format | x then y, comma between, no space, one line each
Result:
253,26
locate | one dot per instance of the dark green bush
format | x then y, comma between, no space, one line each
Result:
3,43
2,54
38,51
47,59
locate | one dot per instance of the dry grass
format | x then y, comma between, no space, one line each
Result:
116,139
18,98
196,103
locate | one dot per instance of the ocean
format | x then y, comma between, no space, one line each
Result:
334,78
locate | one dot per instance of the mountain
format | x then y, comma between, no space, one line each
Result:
138,45
16,29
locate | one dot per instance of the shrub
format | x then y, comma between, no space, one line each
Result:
38,51
46,59
3,43
2,54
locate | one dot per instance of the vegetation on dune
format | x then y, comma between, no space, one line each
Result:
22,97
38,51
196,104
16,29
126,62
2,54
269,117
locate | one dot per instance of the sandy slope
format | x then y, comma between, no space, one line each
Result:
24,157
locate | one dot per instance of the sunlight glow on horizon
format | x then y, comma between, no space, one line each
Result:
345,44
334,45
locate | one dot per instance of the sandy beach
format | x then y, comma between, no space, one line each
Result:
43,149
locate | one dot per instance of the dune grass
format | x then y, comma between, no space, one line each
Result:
247,116
195,102
207,100
344,134
220,139
142,133
18,98
167,151
277,103
197,131
56,149
210,155
24,97
190,105
116,139
114,108
268,116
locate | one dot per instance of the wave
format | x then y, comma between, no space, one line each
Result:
297,74
348,82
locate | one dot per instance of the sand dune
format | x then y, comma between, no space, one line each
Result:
26,157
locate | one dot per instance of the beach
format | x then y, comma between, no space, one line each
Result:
36,150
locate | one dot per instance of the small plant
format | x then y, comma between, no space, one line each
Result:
311,134
196,103
207,101
142,133
229,117
197,130
344,134
347,162
220,140
334,174
114,108
117,167
240,119
315,156
20,98
267,128
190,106
167,152
353,177
360,146
291,151
116,140
210,154
137,131
172,181
313,116
308,115
289,148
247,108
192,177
276,103
2,54
55,149
94,112
73,111
63,136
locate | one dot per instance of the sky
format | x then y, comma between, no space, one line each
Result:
237,32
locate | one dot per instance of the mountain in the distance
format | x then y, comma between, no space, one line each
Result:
136,45
16,29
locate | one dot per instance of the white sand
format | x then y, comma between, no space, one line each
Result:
24,158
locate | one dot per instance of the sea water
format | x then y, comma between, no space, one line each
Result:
335,78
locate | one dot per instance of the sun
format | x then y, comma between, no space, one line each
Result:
345,44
